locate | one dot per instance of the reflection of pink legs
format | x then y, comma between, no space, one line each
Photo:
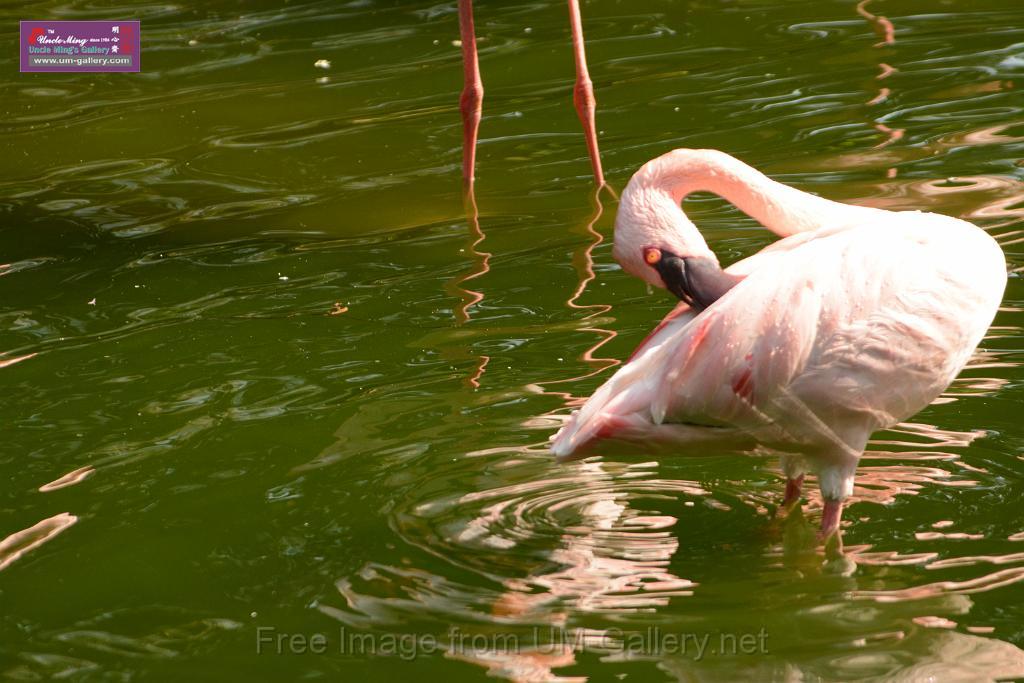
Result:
473,91
583,262
482,258
457,286
886,31
830,517
584,91
472,98
793,487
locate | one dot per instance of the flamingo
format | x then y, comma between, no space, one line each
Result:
471,101
855,320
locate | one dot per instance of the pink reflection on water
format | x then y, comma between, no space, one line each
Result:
19,543
474,379
608,558
523,666
932,621
952,536
935,437
994,199
861,554
883,27
602,555
887,32
553,546
69,479
583,262
1009,558
481,265
892,135
984,583
4,362
481,261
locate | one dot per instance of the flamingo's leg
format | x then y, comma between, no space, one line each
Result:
472,98
583,93
793,487
835,479
793,466
830,517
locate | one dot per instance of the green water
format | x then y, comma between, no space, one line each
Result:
176,240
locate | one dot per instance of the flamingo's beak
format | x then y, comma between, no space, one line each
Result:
695,280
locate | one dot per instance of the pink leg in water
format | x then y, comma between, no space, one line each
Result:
583,94
830,517
793,487
472,98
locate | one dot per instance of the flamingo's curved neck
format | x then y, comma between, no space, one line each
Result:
650,214
782,209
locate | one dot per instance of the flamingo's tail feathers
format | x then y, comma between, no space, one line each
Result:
608,411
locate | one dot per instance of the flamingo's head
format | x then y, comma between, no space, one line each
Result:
650,224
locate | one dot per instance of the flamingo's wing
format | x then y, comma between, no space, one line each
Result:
734,364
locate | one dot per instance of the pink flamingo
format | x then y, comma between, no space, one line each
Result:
852,322
473,92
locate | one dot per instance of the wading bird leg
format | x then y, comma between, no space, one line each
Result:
583,93
830,518
472,98
792,497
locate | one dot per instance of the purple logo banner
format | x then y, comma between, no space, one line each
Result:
80,46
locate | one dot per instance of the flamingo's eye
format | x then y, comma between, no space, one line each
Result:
652,255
